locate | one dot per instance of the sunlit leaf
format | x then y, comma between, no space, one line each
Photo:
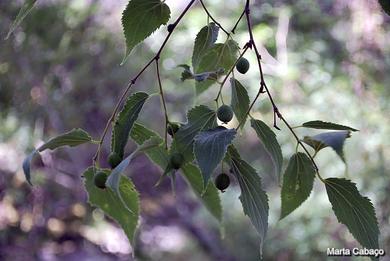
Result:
140,19
220,56
354,211
268,139
297,183
125,120
326,126
253,198
334,139
210,147
111,204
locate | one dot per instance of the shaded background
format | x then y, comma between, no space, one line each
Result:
327,60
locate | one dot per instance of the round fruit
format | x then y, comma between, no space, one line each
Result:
225,113
100,179
222,182
171,27
176,160
242,65
172,128
114,159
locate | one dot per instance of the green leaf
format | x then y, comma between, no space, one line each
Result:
219,56
113,181
240,101
199,118
268,139
204,40
23,12
140,134
72,138
297,183
125,120
210,197
159,156
108,201
354,211
210,147
326,126
334,139
140,19
27,166
254,200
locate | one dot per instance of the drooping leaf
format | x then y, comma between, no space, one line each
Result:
326,126
297,183
125,120
27,166
108,201
113,181
140,19
23,12
159,156
354,211
204,40
72,138
199,118
210,196
268,139
210,147
219,56
253,198
334,139
240,101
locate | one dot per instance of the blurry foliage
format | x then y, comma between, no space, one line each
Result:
61,70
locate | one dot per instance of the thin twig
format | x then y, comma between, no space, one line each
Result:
212,18
238,21
263,87
163,102
133,81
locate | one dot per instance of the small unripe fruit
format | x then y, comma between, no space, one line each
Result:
172,128
171,27
242,65
225,113
222,182
100,179
114,159
176,160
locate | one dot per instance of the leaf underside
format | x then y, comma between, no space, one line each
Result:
354,211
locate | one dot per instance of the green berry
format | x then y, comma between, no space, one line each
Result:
222,182
176,160
242,65
100,179
172,128
225,113
114,159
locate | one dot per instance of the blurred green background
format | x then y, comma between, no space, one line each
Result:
327,60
